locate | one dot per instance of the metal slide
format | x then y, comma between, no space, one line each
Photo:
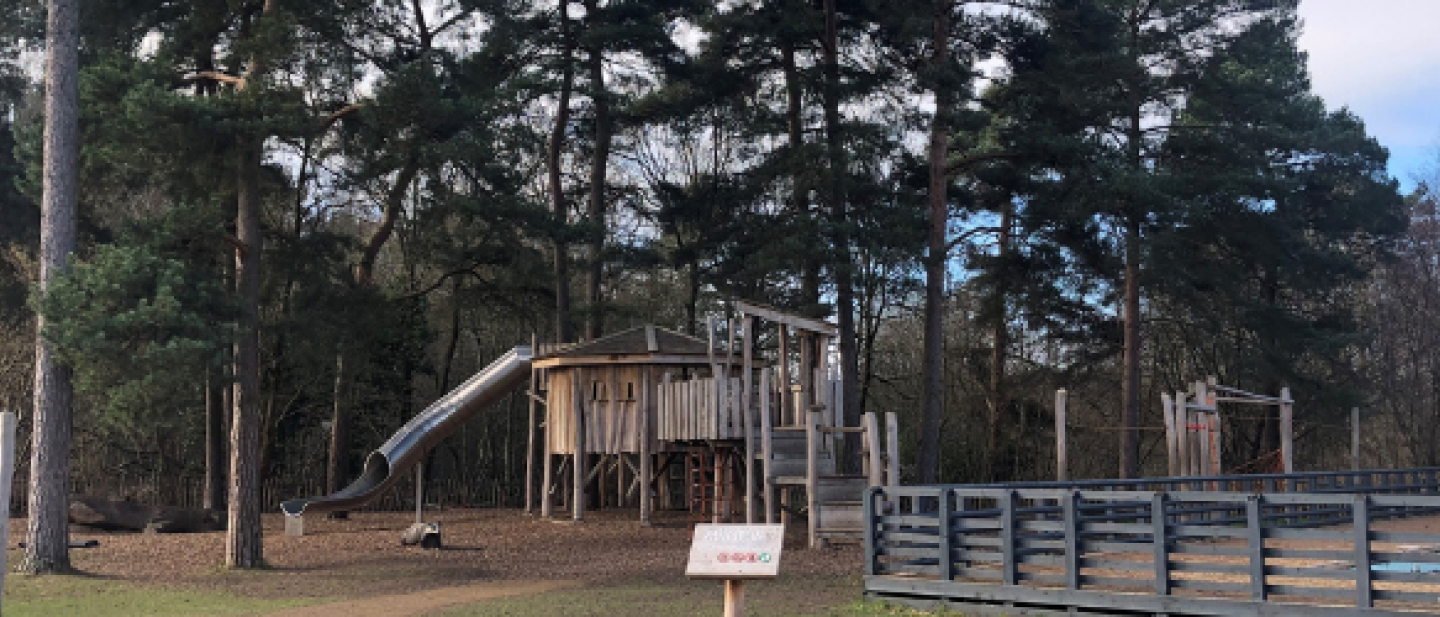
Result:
386,465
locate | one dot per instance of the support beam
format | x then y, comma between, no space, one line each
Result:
530,429
875,467
787,402
892,455
812,477
1287,430
785,319
1062,460
647,382
766,431
1172,444
420,492
578,465
747,395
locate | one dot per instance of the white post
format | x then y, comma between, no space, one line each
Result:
1287,430
1355,438
7,473
1062,454
1171,444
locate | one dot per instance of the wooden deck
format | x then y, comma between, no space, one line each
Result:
1072,550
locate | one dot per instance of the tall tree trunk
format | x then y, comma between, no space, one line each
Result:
337,462
243,547
927,456
595,210
215,385
558,206
800,198
996,448
47,530
1130,384
840,221
1130,378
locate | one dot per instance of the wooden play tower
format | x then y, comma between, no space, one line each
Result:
625,412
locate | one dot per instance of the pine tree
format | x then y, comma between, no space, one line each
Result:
48,539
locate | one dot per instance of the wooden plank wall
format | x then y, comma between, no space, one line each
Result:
700,408
610,398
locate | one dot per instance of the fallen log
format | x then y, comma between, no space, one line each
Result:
107,515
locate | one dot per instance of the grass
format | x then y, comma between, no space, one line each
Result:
679,597
798,597
87,595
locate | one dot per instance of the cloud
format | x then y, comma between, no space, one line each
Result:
1380,58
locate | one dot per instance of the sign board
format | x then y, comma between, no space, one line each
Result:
735,551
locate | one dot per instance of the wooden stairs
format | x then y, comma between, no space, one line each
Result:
805,457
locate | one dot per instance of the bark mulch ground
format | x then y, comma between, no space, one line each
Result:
362,557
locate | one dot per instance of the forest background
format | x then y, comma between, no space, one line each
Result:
992,200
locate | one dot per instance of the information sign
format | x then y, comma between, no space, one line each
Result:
735,551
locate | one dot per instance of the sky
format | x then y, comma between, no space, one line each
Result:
1381,59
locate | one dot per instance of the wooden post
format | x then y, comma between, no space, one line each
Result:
822,383
647,381
787,410
718,488
1217,444
530,435
547,474
747,395
420,492
579,464
8,420
892,455
612,390
1203,433
874,468
1171,443
807,373
1355,438
1364,590
734,597
1287,430
1182,436
1062,462
812,478
766,431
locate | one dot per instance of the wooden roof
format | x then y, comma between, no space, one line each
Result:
640,345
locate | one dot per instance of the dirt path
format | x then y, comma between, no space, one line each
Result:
422,602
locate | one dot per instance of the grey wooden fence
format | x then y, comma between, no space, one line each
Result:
1178,552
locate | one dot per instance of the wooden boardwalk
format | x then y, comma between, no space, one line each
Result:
1078,547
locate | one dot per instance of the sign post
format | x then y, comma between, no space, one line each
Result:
734,554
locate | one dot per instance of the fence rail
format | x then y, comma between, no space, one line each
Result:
1080,547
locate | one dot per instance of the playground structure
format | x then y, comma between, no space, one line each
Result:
1194,429
620,415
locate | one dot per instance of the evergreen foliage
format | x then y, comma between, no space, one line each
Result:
1136,195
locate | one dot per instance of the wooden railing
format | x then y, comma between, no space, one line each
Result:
1175,552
